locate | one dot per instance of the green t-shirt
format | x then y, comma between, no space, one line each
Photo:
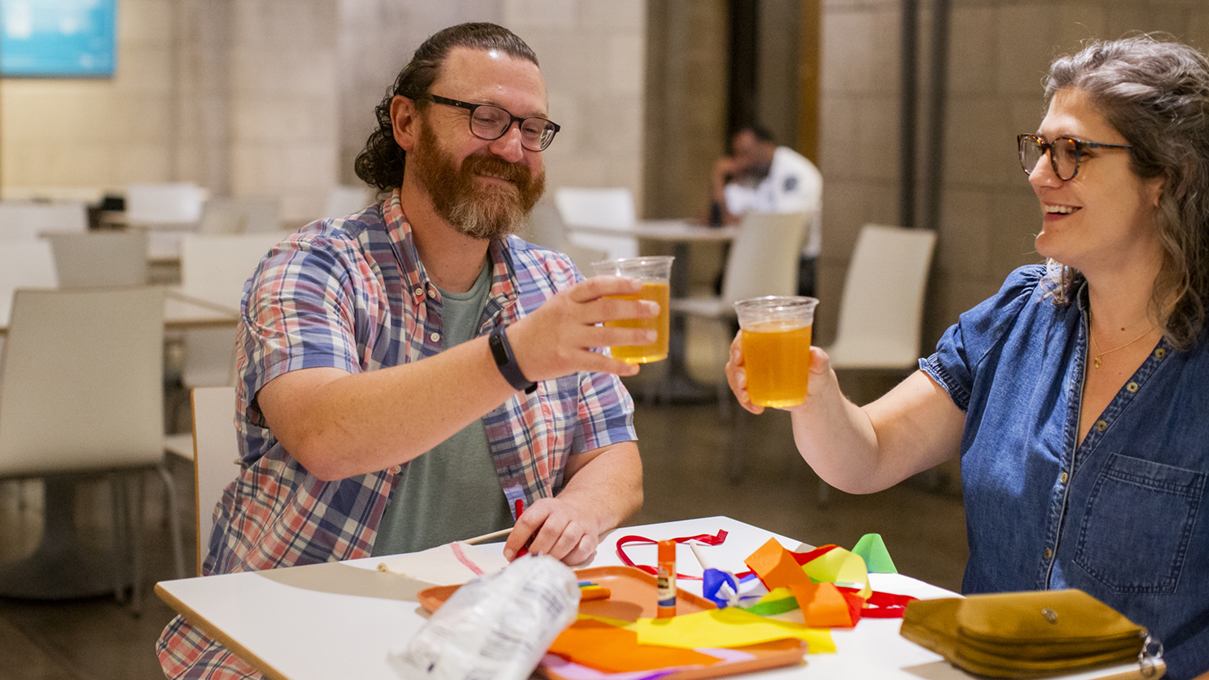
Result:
451,492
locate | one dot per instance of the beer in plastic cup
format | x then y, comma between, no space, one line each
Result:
776,348
654,273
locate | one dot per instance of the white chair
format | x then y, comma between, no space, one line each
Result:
24,264
546,228
345,200
170,203
31,219
763,260
214,268
214,450
245,215
882,308
881,311
99,259
82,394
610,209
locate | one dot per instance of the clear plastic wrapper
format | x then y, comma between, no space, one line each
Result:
495,627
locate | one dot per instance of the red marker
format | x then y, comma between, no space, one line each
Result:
520,507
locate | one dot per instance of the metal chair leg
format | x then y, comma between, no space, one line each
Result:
174,522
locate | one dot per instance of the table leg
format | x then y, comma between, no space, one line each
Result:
61,568
677,386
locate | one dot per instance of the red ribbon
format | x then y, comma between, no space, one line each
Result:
707,539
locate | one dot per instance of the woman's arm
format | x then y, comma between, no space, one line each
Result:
865,449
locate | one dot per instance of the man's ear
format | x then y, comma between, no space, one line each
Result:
405,121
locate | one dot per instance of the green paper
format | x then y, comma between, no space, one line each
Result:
872,549
773,607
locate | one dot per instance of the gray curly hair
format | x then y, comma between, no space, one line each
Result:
1155,92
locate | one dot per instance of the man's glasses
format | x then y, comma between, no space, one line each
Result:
1064,153
491,122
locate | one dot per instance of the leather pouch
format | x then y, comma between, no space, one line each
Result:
1026,635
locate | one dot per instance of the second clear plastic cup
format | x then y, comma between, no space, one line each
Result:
654,273
776,348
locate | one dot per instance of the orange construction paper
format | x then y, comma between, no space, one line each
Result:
825,606
776,566
616,650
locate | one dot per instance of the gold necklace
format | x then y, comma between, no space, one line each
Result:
1099,355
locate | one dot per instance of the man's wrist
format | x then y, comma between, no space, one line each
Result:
505,361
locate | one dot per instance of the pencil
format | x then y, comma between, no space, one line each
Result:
484,537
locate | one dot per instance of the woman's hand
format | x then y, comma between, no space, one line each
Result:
736,375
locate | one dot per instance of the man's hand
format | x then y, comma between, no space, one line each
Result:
557,529
558,338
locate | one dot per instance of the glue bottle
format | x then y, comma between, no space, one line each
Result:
665,584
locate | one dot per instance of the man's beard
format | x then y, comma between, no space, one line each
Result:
477,210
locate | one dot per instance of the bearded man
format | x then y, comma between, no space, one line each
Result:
415,373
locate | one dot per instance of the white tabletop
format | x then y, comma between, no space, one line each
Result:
675,231
341,619
182,311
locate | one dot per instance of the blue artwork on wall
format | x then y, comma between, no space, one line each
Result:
57,38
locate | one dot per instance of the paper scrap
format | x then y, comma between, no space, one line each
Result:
776,566
825,606
872,549
730,627
842,568
445,565
615,649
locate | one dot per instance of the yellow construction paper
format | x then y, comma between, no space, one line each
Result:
775,594
840,566
730,627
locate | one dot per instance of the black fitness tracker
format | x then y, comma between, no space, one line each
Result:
501,351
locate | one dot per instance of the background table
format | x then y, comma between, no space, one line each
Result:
341,619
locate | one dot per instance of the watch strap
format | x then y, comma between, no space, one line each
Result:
505,360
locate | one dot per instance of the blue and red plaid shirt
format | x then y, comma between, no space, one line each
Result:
352,294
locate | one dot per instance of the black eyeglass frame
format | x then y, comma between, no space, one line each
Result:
550,125
1047,148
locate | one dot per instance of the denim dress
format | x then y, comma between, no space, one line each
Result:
1118,515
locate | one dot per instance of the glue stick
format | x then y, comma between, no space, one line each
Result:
665,584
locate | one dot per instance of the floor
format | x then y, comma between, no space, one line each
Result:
686,453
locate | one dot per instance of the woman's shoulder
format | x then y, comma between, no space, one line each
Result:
1027,289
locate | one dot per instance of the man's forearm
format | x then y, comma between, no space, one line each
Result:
608,487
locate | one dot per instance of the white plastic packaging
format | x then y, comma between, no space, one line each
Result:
496,627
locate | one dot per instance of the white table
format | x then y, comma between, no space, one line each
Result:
340,620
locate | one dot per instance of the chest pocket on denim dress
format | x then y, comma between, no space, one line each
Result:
1137,524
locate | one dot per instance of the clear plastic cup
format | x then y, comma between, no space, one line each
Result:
776,348
654,273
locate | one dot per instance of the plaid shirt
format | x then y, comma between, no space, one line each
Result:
352,294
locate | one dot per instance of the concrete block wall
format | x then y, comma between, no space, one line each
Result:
276,97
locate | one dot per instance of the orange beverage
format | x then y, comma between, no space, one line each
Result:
776,356
658,292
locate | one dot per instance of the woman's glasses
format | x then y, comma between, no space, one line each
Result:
1064,153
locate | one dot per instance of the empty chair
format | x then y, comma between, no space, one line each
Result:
82,394
881,311
31,219
172,203
546,228
345,200
763,260
599,210
882,308
214,268
215,456
24,264
98,259
245,215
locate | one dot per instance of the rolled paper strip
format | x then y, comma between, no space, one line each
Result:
720,587
872,548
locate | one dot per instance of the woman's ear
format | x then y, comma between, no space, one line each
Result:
405,121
